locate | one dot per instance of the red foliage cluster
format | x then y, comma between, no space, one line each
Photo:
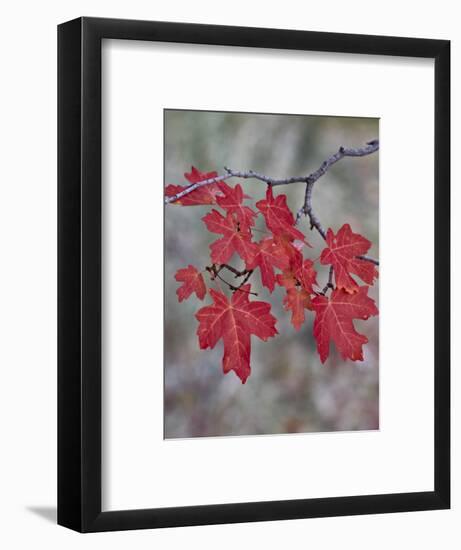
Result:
234,320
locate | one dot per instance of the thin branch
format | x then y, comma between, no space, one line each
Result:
261,177
235,288
236,272
342,152
247,276
371,147
330,281
306,209
215,270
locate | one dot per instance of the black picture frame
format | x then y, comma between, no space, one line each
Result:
79,274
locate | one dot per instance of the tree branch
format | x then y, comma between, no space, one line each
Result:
370,147
306,209
215,270
330,281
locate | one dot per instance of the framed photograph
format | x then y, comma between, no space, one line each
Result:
254,274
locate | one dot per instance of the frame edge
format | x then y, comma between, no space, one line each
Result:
69,276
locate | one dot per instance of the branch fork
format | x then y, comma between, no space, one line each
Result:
305,210
215,270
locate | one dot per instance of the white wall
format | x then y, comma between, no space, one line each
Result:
28,275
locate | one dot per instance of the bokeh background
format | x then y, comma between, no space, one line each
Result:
289,390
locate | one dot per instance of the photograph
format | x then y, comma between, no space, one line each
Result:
229,299
271,273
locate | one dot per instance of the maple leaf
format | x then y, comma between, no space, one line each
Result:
279,218
268,256
286,246
234,321
306,275
235,239
286,279
200,196
231,201
297,300
193,282
292,251
342,251
299,273
334,321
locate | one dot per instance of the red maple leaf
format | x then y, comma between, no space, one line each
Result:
292,251
234,321
235,239
202,195
297,300
333,321
343,249
232,201
193,282
279,218
268,256
299,273
306,275
286,279
286,246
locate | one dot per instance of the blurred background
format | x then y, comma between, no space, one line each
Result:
289,390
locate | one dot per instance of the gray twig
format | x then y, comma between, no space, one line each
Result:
306,209
370,147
